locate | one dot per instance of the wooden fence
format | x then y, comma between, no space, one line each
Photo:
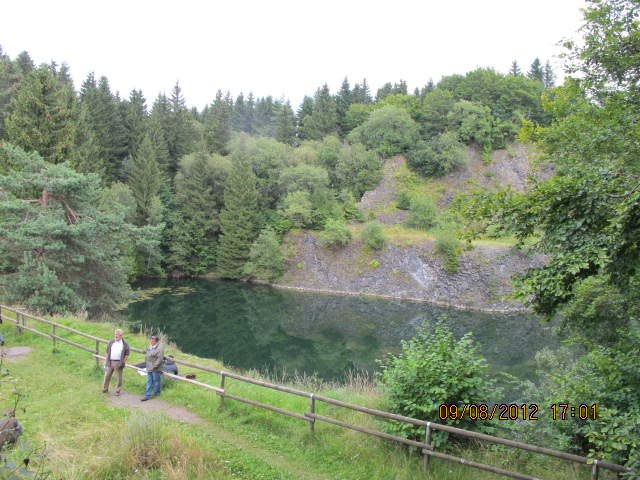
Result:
311,416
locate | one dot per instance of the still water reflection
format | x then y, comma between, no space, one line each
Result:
292,332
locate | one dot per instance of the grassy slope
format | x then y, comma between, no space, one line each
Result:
88,438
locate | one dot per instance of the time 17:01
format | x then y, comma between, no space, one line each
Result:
562,411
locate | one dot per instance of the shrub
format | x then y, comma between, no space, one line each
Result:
423,212
447,244
437,156
335,233
435,369
404,201
372,235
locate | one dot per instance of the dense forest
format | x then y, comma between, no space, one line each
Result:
186,192
96,190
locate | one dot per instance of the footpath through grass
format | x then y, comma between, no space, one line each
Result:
61,408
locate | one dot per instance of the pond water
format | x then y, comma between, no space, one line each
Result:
287,332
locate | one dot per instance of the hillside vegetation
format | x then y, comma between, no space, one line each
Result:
408,265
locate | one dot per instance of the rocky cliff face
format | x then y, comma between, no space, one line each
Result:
415,272
407,272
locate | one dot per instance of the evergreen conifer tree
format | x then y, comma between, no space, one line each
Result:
324,119
60,252
238,219
304,113
286,124
515,69
264,117
536,72
42,116
343,102
242,116
136,118
145,182
549,78
180,134
217,123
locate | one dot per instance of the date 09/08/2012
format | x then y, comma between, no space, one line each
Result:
559,411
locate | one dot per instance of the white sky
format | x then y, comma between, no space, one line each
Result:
283,48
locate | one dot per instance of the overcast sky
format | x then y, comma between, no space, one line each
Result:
283,48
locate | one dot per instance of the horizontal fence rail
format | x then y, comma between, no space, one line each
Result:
311,416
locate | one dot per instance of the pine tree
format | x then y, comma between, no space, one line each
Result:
217,123
238,220
515,69
199,187
136,120
384,91
549,78
145,182
60,251
180,134
264,117
24,64
42,117
10,79
343,102
324,119
536,72
361,93
101,123
242,116
159,129
286,124
304,113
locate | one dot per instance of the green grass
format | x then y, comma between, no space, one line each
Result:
86,437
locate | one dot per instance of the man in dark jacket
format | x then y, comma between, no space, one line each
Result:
115,359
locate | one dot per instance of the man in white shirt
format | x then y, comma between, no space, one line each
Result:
115,359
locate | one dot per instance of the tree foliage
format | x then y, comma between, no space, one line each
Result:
372,235
266,261
60,251
388,131
586,216
239,222
41,118
423,212
335,233
435,369
437,156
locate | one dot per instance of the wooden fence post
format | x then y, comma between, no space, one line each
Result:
53,335
222,387
97,352
312,409
427,440
19,314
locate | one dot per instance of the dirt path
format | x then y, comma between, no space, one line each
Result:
176,412
11,354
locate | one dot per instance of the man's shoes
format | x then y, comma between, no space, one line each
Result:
117,394
105,391
144,399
